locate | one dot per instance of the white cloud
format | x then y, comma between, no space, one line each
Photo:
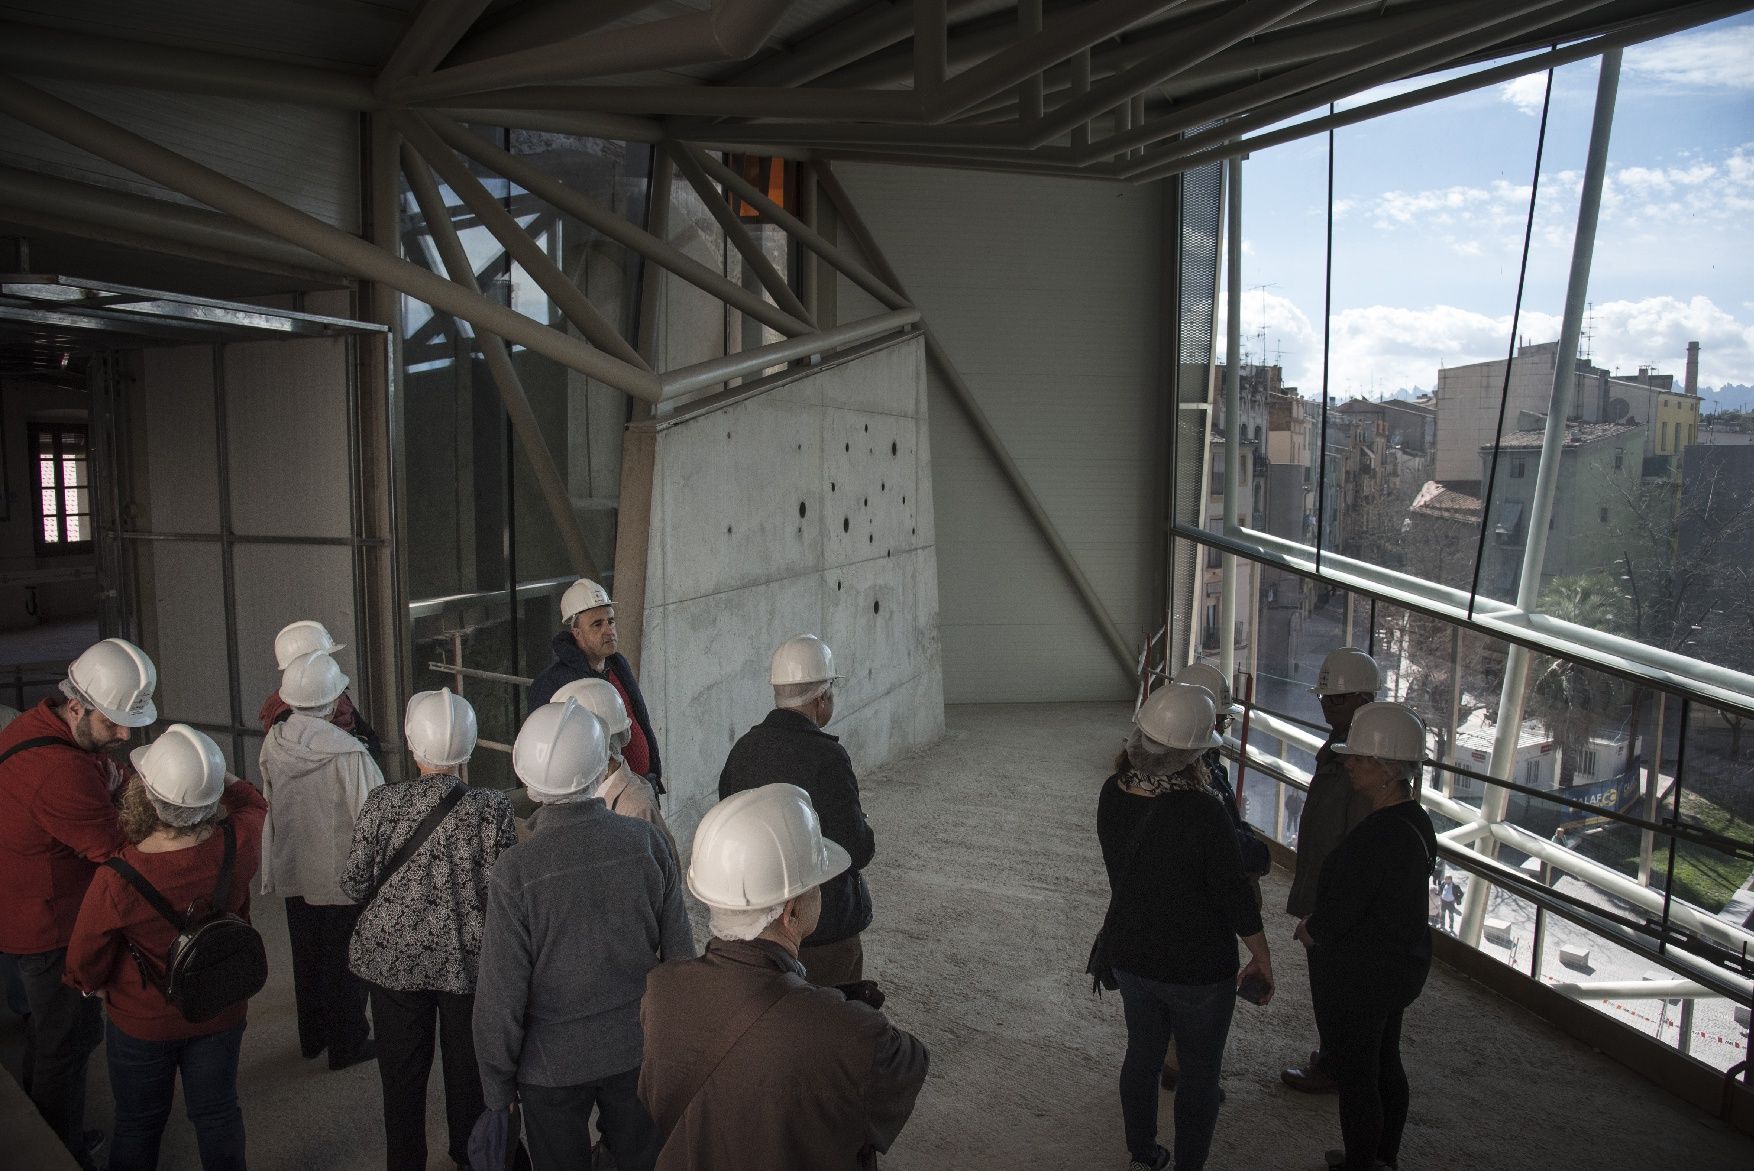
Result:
1526,93
1377,349
1715,59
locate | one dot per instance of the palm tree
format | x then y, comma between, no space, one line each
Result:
1567,699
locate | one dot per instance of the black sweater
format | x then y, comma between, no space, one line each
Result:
1370,906
789,748
1176,911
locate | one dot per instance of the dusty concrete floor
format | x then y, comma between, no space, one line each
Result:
988,888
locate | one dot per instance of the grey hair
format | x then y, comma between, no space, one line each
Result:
742,924
444,769
319,713
1151,759
1407,772
795,695
180,816
618,742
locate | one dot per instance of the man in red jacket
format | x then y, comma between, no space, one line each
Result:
58,821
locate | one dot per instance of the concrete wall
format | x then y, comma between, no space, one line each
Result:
1048,296
804,509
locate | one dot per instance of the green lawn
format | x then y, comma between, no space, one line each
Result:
1703,876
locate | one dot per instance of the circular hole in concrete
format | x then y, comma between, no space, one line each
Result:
871,539
913,532
867,427
727,435
847,446
837,585
846,524
876,605
893,449
831,485
867,502
883,486
727,530
801,508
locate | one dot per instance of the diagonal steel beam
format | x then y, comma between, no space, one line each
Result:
964,395
737,232
1198,150
587,210
531,25
1386,58
126,149
800,231
729,31
429,38
499,363
567,297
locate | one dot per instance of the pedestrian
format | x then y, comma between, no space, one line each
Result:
294,641
58,822
577,916
1433,903
1369,946
587,648
1178,902
748,1066
1347,681
421,852
623,790
790,747
316,778
1450,895
195,839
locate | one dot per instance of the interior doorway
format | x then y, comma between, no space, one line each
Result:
202,480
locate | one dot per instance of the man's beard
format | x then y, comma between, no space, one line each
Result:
85,736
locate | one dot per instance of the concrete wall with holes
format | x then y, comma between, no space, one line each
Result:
805,508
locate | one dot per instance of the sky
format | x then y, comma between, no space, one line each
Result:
1430,206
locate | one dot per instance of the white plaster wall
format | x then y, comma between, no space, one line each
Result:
803,510
1047,294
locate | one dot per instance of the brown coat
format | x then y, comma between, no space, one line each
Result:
817,1084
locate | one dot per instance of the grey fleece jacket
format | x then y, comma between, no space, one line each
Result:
576,917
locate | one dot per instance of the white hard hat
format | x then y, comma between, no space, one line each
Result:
440,727
805,659
303,637
1212,679
118,679
599,697
760,848
1347,671
183,767
561,749
1180,716
583,594
312,680
1390,731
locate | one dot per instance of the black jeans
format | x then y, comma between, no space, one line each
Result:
330,999
557,1124
64,1027
1359,1016
404,1022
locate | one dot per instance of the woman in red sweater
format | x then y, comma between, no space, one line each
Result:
171,816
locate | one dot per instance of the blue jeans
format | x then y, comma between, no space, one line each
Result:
143,1076
1198,1017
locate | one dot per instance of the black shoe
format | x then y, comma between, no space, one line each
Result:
367,1051
1309,1078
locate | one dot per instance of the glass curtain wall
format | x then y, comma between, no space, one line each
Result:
486,560
1404,282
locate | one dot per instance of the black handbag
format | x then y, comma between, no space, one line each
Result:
1099,967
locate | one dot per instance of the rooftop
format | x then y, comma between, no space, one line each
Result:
1456,500
1576,435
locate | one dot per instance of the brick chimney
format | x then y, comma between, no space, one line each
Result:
1693,369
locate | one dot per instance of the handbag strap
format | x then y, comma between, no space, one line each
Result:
728,1040
417,839
148,892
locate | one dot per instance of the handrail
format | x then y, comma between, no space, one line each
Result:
544,587
716,370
